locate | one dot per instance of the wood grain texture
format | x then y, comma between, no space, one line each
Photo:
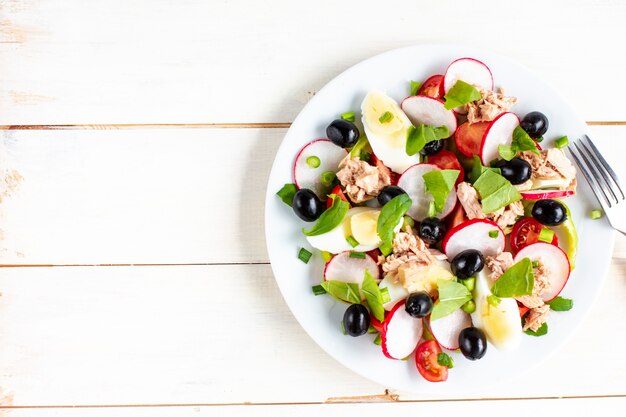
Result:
196,61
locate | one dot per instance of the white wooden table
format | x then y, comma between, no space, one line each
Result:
136,280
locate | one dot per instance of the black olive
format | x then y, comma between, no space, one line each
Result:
388,193
473,343
517,170
419,304
431,230
535,124
356,320
432,148
467,263
307,205
342,133
549,212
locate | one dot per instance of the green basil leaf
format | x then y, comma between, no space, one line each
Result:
441,132
460,94
523,142
543,330
439,183
452,296
495,191
287,192
415,87
444,359
561,304
506,152
417,138
516,281
389,218
373,296
478,168
330,218
345,291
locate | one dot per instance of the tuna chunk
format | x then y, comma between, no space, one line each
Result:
505,217
407,248
490,106
536,317
361,180
498,264
551,164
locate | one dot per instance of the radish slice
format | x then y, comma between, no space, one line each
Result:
474,234
343,267
446,329
422,110
499,132
401,333
412,182
396,292
470,70
555,262
541,194
329,154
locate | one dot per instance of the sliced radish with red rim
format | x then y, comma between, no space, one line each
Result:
542,194
470,70
401,333
345,268
474,234
423,110
499,132
556,264
446,329
396,291
412,181
329,155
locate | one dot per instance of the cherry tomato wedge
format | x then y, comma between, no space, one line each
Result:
432,87
525,232
337,191
469,137
375,323
394,176
447,160
456,217
426,360
522,309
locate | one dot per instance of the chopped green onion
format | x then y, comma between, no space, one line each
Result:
539,139
313,161
328,177
546,235
415,87
349,116
385,294
493,234
444,359
407,222
596,214
470,283
493,300
469,307
352,241
431,209
561,142
535,264
326,256
318,290
386,117
343,329
358,255
304,255
371,329
378,340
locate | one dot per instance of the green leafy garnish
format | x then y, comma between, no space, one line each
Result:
345,291
304,255
330,218
493,300
318,290
349,116
439,183
444,359
407,222
361,149
495,191
418,137
460,94
506,152
452,296
390,216
543,330
415,87
516,281
373,296
521,142
478,168
287,192
561,304
386,117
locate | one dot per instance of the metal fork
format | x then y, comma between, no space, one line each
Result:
602,180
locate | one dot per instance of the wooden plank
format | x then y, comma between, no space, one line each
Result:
159,61
148,196
223,335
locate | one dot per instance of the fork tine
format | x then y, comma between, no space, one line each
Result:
591,183
605,164
598,166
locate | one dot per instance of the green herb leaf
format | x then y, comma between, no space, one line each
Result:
452,296
418,137
444,359
493,300
345,291
561,304
415,87
390,216
287,192
495,191
373,296
543,330
318,290
432,212
523,142
478,169
516,281
349,116
386,117
506,152
460,94
361,149
439,183
304,255
330,218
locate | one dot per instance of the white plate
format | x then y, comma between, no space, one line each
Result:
320,316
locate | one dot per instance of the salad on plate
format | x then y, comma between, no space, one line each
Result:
442,221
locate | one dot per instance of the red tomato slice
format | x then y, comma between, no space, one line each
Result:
447,160
469,137
456,217
376,324
522,309
337,191
432,87
525,232
426,360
